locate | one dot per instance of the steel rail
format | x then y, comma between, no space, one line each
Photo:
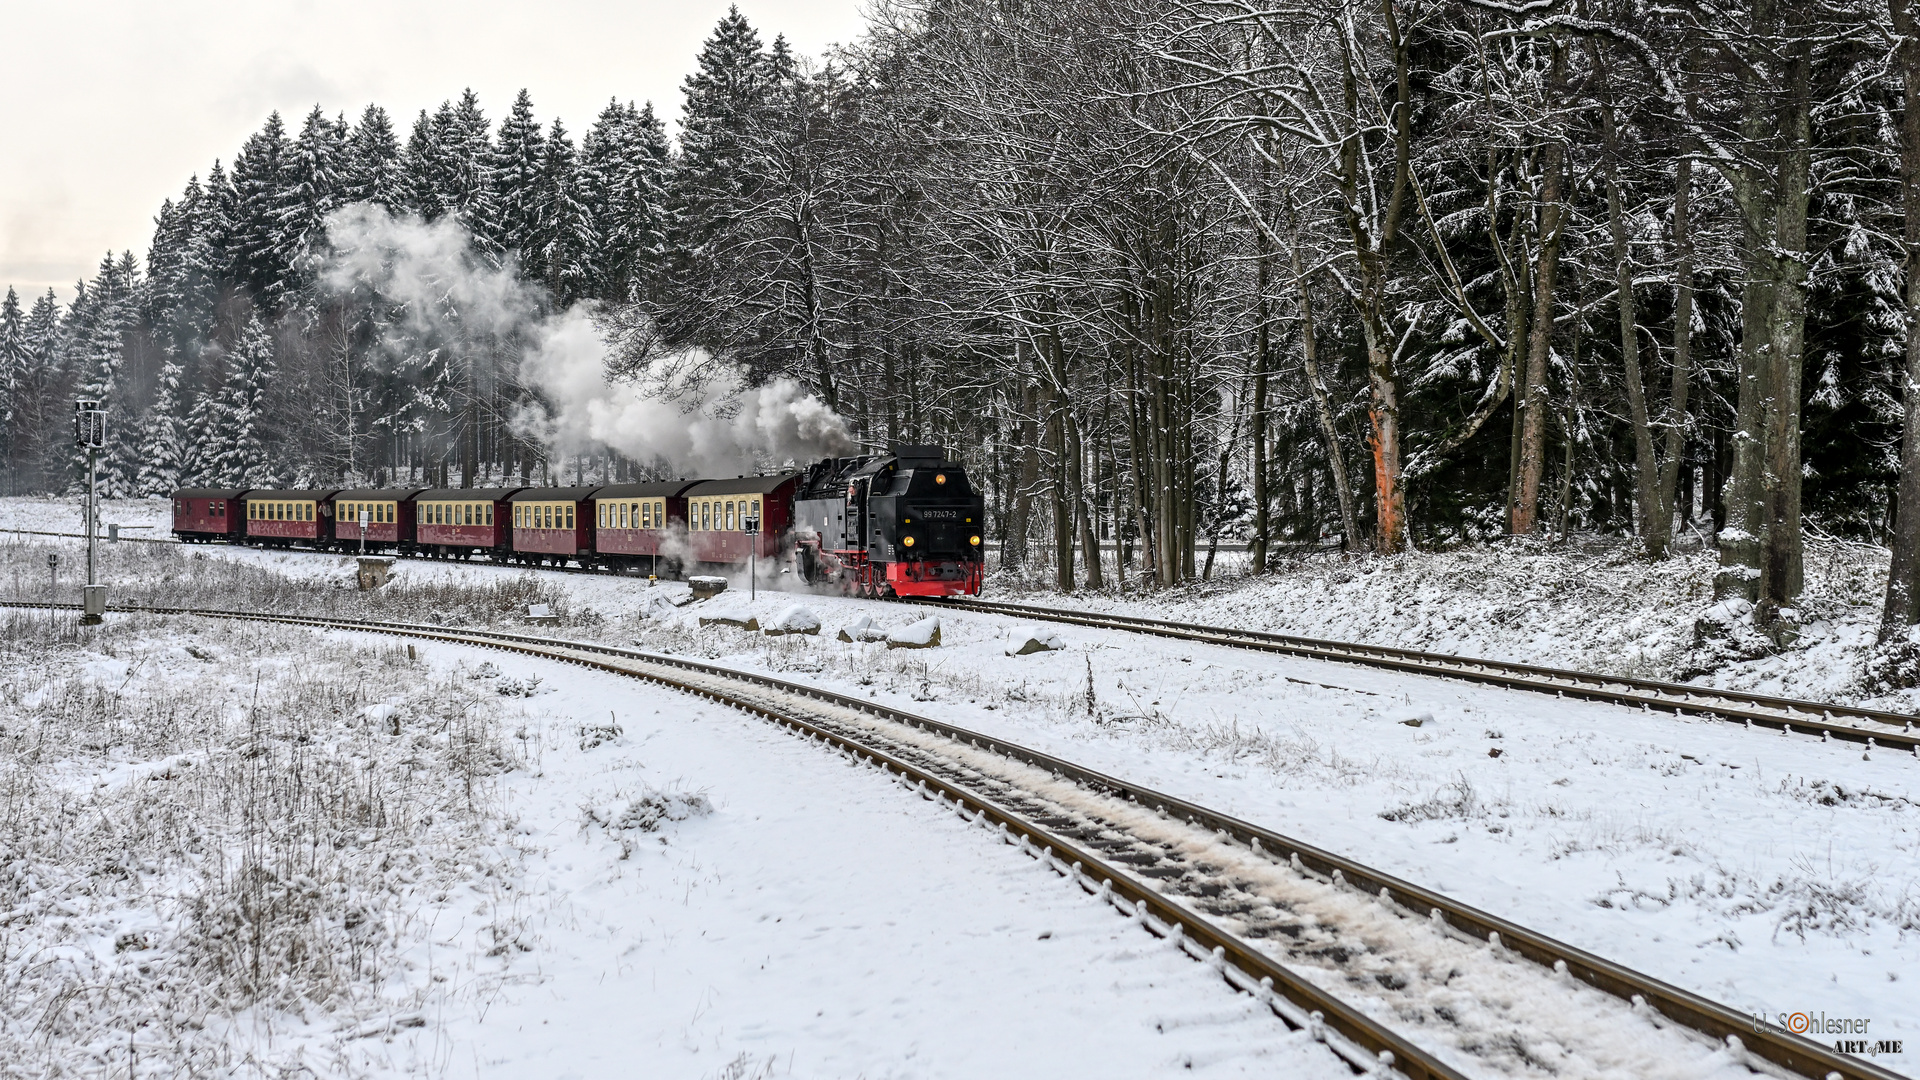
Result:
1786,715
1740,1033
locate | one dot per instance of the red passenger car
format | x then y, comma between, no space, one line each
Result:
289,517
718,511
460,523
553,525
204,515
640,525
389,514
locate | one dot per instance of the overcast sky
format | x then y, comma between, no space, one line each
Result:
111,104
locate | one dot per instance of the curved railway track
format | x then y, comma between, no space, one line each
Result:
1870,728
1349,953
1788,716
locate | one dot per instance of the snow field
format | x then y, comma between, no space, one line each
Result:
1773,874
214,839
1489,1008
704,895
1776,874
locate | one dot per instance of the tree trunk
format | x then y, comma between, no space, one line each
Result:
1013,553
1323,406
1903,577
1676,423
1533,428
1257,422
1781,565
1653,531
1061,498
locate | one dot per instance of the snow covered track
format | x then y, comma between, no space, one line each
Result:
1446,989
1872,728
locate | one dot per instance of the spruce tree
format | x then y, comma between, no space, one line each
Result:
624,170
470,150
373,171
242,456
40,456
515,170
13,373
263,209
162,449
208,427
99,345
723,97
564,231
314,179
428,187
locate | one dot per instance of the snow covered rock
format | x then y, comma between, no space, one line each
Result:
862,629
1411,715
745,620
924,634
655,603
706,587
794,620
1034,639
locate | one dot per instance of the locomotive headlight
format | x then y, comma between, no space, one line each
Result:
974,540
939,478
906,541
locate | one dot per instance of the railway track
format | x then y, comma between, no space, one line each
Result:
1868,727
1397,980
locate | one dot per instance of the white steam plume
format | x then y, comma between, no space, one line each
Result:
723,426
453,298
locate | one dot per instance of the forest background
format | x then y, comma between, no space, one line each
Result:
1163,272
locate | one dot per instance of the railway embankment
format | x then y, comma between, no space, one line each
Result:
1589,604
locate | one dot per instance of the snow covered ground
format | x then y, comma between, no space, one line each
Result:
1775,874
1589,605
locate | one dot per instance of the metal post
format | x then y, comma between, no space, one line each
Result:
90,431
93,513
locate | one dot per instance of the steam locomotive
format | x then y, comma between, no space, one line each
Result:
905,523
